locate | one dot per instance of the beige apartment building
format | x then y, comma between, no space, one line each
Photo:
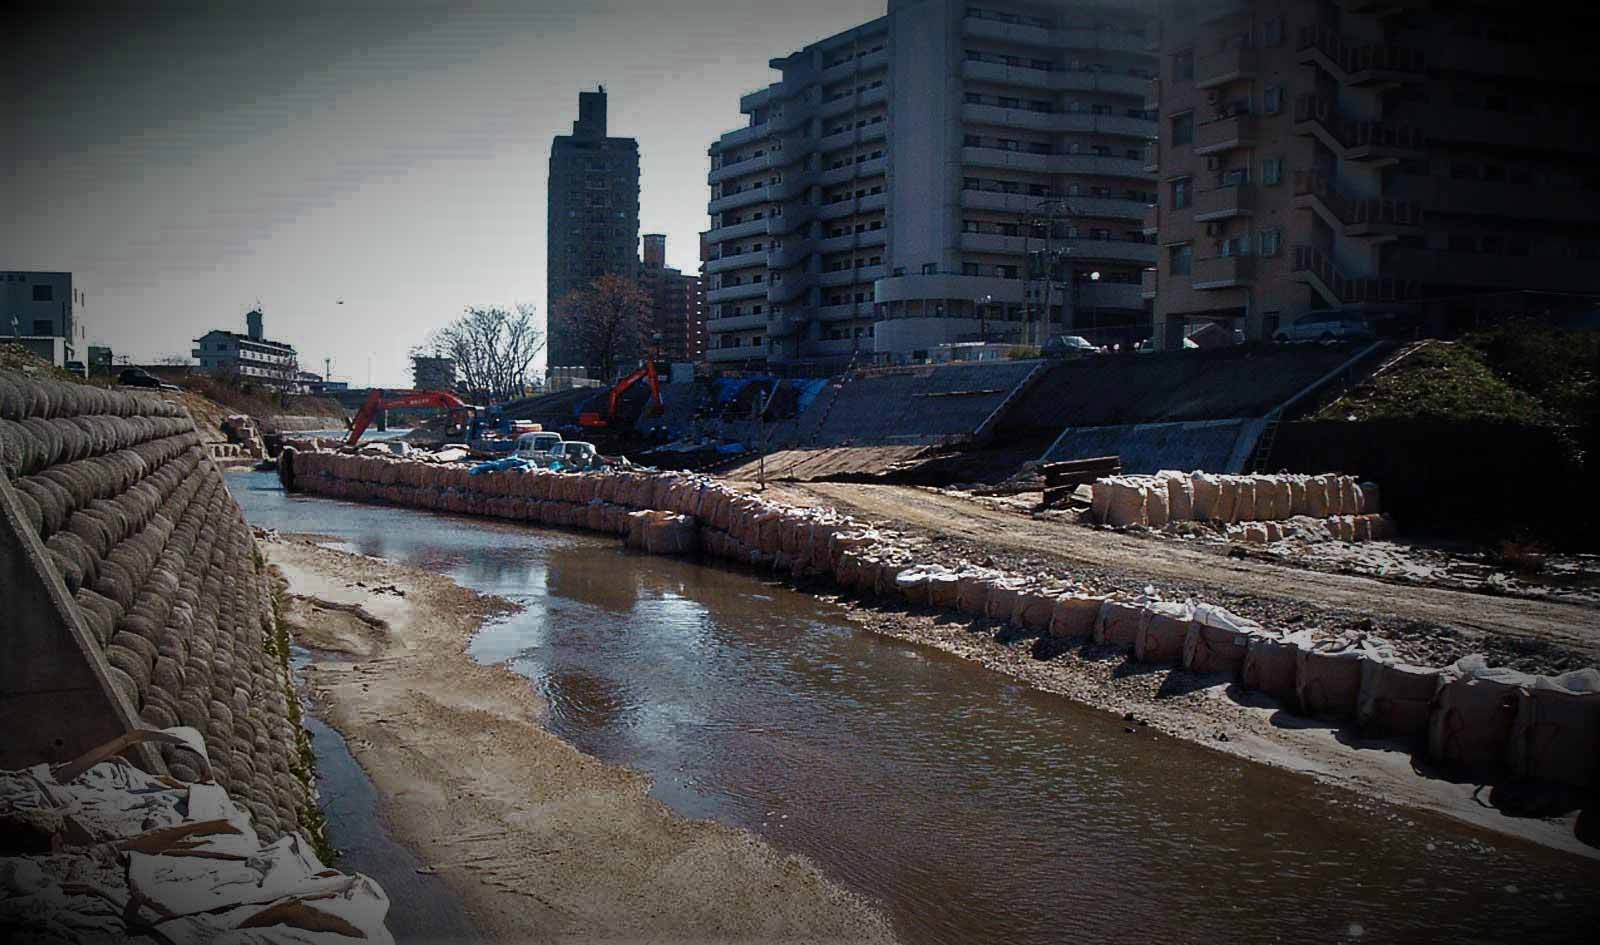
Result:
912,182
1377,156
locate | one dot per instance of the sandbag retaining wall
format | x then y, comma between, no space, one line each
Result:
163,572
1255,508
1529,726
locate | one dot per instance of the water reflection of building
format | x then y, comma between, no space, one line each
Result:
588,574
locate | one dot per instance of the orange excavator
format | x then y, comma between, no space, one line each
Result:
653,407
381,400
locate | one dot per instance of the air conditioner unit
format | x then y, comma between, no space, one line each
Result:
1213,163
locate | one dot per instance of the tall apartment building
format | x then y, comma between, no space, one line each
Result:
676,313
593,216
43,312
1369,155
911,182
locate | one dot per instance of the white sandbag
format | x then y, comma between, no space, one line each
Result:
1395,698
1227,499
1035,610
1316,497
1100,500
944,590
1473,714
1270,665
1335,492
972,591
1328,677
1206,488
1244,503
1004,595
1217,640
1127,505
1155,507
1119,622
1299,497
1075,616
912,583
1180,496
1556,734
1161,634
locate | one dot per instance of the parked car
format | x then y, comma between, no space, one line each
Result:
573,456
536,447
139,377
1062,346
1327,327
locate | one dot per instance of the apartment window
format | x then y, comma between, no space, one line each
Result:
1271,170
1183,128
1183,65
1180,259
1272,31
1180,193
1271,239
972,141
1272,100
44,293
930,269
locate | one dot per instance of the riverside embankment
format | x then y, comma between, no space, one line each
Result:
972,807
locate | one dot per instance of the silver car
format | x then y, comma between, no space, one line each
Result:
1327,327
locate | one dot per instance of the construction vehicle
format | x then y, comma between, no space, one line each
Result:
614,417
486,430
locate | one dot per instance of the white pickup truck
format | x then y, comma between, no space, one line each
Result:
536,447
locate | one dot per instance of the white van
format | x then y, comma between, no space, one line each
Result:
536,447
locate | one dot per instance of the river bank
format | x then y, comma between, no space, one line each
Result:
540,841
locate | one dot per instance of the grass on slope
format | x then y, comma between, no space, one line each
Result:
1441,380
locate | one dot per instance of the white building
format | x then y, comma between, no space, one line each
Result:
884,197
249,356
43,312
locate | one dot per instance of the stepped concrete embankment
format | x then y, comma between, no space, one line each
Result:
136,599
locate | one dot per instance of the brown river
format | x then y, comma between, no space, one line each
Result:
968,807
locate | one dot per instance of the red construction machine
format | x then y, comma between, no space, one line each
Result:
653,407
381,400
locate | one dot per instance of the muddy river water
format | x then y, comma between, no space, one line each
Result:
972,809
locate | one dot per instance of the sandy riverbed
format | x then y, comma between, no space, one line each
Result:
541,842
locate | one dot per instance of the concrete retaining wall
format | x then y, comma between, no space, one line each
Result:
137,574
1468,716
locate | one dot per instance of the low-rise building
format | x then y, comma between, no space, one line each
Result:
42,311
250,356
433,372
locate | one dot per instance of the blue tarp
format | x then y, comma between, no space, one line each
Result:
501,465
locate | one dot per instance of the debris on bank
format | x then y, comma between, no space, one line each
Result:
1467,716
105,852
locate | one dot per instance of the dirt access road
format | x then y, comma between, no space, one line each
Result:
1426,623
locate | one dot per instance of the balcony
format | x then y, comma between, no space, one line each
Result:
862,240
1223,272
1238,200
1031,35
783,326
1059,122
844,312
1147,283
790,287
737,169
729,323
1356,63
1152,96
745,135
1110,250
1229,65
1101,208
1352,139
794,251
1088,164
1152,158
1317,269
997,243
852,206
1104,295
1370,216
738,230
1225,134
1060,80
1151,221
741,353
737,261
734,293
1215,10
837,175
743,198
851,276
853,100
855,64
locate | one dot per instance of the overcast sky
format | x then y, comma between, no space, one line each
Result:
185,161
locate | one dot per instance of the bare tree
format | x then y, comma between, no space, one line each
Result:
609,322
493,350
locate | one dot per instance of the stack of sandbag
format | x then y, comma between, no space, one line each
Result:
1160,636
1396,698
1075,615
1271,665
125,856
1125,501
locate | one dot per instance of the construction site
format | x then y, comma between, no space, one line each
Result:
663,689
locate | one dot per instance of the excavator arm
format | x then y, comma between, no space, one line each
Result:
654,408
380,400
